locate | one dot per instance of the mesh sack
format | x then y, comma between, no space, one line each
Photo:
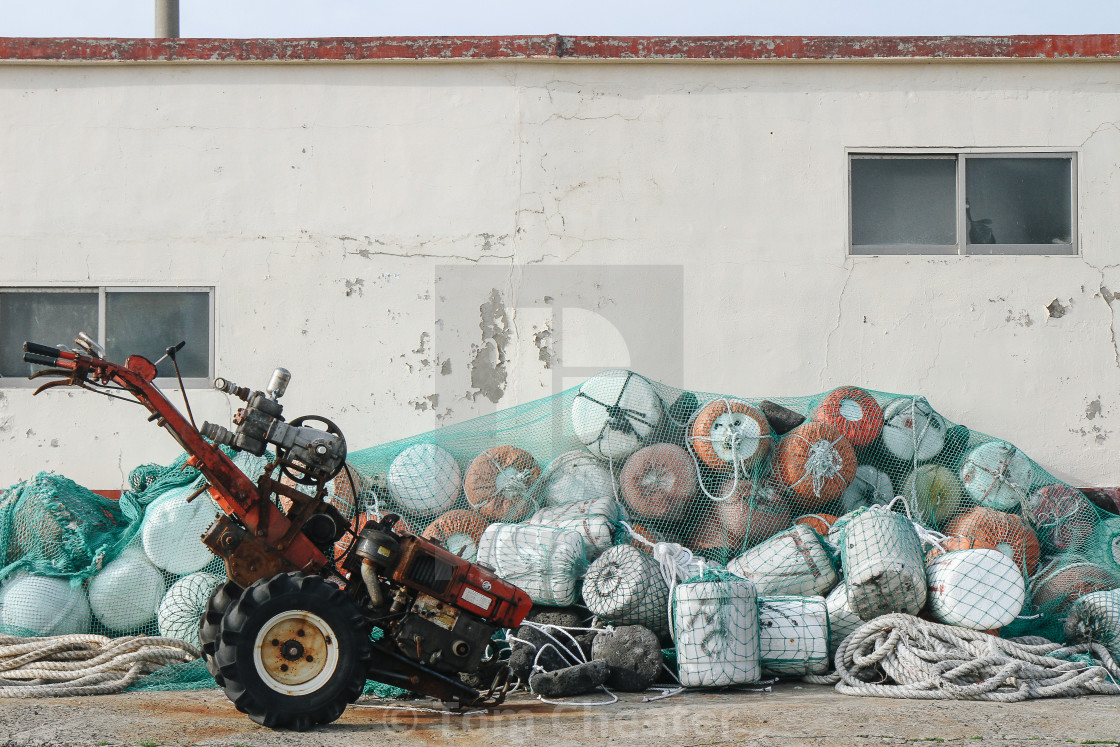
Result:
184,604
596,519
794,562
884,570
793,635
624,586
1095,617
41,605
975,589
543,561
715,628
125,595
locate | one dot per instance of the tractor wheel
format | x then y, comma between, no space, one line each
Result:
210,623
294,651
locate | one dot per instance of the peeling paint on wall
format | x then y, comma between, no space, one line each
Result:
1056,310
1094,409
488,362
354,286
543,340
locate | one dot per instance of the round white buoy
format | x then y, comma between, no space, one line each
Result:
44,606
172,530
997,475
576,476
715,628
125,594
912,430
424,479
183,605
614,412
976,589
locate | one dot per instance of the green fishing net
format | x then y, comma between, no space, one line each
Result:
835,507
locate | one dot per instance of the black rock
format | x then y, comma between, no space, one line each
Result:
781,419
522,655
565,617
634,655
582,678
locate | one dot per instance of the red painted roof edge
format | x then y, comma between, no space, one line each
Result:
592,48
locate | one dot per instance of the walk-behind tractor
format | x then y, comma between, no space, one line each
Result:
289,634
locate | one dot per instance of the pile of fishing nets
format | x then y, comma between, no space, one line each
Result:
752,535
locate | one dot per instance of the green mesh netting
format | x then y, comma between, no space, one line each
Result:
836,507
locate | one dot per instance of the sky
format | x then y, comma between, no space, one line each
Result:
320,18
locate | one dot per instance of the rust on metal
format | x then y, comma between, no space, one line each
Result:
557,47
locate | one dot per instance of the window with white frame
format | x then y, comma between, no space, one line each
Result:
126,321
962,203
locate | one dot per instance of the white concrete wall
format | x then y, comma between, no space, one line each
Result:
324,200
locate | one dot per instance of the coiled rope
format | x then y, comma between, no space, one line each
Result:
930,661
83,664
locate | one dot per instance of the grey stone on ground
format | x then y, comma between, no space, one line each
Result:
633,654
577,680
521,655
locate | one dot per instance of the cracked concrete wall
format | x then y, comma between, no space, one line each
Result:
324,202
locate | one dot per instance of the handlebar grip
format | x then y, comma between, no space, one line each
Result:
42,360
36,348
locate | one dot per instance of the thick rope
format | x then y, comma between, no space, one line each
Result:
901,656
83,664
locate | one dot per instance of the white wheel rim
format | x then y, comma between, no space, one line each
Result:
295,653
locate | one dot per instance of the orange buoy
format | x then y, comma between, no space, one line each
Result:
730,431
820,523
459,531
751,514
658,482
1055,591
1005,532
816,462
499,481
853,412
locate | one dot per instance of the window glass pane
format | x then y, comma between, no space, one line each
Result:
148,322
48,318
905,200
1018,200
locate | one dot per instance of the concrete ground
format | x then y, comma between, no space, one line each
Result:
788,714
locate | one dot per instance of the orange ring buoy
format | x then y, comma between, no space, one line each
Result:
1005,532
854,413
729,430
816,462
464,528
819,523
658,482
498,483
957,542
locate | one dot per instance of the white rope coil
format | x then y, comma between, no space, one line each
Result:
931,661
83,664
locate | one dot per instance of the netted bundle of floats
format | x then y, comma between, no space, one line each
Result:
837,508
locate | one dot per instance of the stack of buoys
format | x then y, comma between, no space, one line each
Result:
934,494
854,413
912,430
499,483
870,486
716,630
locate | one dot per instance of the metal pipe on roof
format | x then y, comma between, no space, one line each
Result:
167,19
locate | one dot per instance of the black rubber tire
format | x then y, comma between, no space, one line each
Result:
210,623
235,655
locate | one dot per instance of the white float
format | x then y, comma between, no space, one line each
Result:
884,570
183,605
912,430
424,479
125,594
997,475
595,519
842,622
976,589
793,634
44,606
624,586
545,562
614,412
715,628
791,562
576,476
869,487
172,530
